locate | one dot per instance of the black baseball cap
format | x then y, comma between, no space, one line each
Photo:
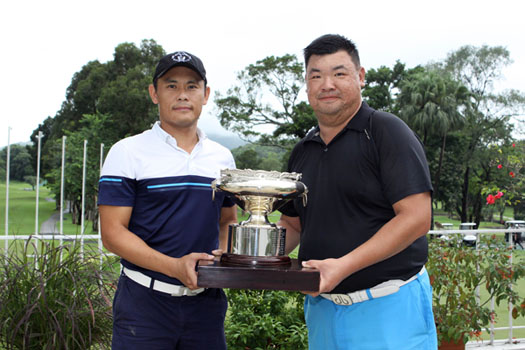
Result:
179,58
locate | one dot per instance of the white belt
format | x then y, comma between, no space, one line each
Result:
174,289
381,290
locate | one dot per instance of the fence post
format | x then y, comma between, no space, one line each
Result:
511,245
83,197
62,171
492,321
37,180
7,166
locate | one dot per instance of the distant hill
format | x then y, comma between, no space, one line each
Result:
17,143
228,141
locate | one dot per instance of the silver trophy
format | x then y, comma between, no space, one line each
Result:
257,241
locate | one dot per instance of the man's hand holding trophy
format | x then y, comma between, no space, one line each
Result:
256,247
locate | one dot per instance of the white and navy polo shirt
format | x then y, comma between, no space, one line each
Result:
169,190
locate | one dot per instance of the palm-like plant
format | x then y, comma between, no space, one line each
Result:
431,104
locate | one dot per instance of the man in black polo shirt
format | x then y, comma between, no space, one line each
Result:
369,208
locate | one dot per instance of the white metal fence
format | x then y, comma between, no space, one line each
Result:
37,231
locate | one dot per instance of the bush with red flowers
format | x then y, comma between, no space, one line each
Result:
456,271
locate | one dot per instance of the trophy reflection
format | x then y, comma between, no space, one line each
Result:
257,241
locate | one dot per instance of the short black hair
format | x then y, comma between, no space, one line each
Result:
331,43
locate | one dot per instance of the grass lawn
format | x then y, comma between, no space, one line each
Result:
22,208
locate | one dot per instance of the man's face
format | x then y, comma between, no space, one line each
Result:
180,95
334,85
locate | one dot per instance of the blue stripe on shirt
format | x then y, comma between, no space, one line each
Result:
178,185
109,179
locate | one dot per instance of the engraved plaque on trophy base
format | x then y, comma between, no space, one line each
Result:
292,277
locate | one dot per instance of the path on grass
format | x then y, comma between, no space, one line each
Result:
50,226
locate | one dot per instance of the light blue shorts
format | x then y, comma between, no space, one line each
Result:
403,320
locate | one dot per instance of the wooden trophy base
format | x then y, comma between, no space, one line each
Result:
278,274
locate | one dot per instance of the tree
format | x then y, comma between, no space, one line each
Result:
267,97
487,112
118,88
21,164
260,157
105,102
247,159
382,86
431,104
508,164
95,129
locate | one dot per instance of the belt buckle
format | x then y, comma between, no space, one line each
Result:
342,299
185,291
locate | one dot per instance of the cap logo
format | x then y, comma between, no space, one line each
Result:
181,57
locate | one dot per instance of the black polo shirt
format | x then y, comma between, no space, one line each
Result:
375,161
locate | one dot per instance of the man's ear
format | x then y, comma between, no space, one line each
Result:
206,94
153,94
362,77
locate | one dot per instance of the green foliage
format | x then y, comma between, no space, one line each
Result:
508,163
94,128
260,157
430,103
382,85
105,102
261,319
519,210
31,180
54,297
21,163
457,271
247,158
267,95
486,118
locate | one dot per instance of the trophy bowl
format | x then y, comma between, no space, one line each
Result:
256,241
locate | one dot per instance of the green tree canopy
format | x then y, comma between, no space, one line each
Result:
266,97
486,117
21,163
430,103
382,85
260,157
104,103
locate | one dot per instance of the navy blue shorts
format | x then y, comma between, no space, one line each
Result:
144,319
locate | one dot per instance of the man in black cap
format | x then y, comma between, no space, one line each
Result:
157,214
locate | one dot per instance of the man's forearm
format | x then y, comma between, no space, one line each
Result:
132,248
410,223
293,232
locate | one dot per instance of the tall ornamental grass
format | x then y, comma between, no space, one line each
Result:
55,297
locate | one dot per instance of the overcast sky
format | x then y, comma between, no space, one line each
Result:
45,42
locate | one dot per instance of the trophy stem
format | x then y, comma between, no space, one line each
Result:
257,219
